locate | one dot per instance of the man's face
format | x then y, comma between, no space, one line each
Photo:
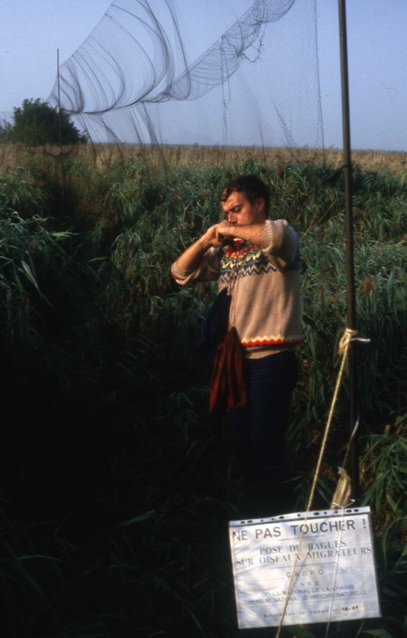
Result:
238,210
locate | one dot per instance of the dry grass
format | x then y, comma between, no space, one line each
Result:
106,155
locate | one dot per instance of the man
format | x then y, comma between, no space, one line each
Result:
258,261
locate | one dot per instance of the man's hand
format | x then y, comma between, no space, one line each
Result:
215,235
191,258
224,230
212,237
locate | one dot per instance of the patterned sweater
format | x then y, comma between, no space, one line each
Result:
264,284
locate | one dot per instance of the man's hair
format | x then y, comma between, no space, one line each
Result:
252,188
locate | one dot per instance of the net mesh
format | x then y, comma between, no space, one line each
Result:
187,71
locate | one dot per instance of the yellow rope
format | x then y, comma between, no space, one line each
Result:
344,344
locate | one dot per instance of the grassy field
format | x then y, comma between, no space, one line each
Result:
116,486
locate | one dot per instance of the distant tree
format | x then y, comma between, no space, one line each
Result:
36,123
4,130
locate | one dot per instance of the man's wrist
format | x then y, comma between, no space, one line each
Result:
204,243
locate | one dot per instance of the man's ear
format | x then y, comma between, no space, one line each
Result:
261,204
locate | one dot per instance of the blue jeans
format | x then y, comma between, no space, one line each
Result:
259,427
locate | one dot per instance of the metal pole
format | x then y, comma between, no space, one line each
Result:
59,104
350,294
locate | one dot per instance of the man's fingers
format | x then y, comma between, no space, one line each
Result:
219,236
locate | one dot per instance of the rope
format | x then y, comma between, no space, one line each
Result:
344,344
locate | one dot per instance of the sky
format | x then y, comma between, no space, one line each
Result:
31,33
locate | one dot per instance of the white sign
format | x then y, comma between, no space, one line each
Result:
323,563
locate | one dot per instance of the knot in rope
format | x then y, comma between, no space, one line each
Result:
346,339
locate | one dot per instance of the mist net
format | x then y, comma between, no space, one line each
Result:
234,72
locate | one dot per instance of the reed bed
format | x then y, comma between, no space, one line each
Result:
116,487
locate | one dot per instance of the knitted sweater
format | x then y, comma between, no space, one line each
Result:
264,284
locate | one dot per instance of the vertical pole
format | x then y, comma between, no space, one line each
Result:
59,103
350,294
61,156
